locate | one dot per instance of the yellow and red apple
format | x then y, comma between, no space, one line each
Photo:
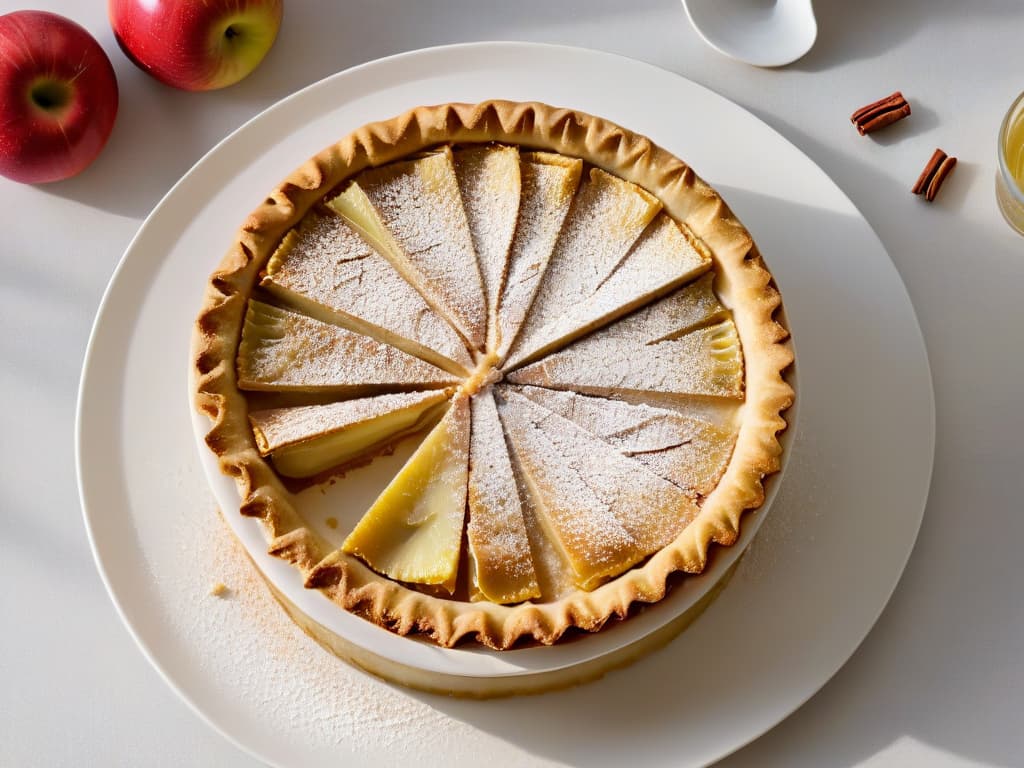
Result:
58,97
196,46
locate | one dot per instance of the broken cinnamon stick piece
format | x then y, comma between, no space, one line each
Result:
880,113
929,171
934,174
940,176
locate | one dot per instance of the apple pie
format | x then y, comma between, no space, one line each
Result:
580,338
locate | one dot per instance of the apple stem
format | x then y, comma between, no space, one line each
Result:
231,32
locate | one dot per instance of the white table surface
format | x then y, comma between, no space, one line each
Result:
940,679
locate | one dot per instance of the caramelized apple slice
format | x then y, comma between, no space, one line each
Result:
412,213
501,567
664,258
489,180
283,351
605,511
413,531
308,440
549,182
324,269
689,452
606,218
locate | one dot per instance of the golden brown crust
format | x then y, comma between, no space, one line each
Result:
743,283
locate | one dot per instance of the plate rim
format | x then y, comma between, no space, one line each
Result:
104,309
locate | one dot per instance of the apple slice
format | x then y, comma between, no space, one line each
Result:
306,441
413,531
327,271
411,211
549,182
284,351
501,566
664,258
490,183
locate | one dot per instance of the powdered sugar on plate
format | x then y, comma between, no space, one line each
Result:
244,644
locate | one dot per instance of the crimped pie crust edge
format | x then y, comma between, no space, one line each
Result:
742,282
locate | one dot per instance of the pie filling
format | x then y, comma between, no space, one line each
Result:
306,441
551,335
413,531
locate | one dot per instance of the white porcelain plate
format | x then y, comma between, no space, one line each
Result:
812,585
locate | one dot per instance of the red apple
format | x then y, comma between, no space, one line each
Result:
58,97
196,46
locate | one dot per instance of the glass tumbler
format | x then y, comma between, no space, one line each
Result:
1010,174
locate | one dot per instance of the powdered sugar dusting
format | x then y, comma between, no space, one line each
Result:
703,362
555,576
496,532
607,216
283,350
246,648
548,185
660,260
593,540
632,428
689,452
607,510
419,203
328,262
286,426
489,181
652,350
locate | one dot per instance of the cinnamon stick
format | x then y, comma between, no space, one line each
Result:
939,166
880,113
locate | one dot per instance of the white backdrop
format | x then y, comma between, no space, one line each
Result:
938,682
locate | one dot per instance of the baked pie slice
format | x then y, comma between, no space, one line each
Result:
584,340
684,344
688,451
309,440
604,510
489,180
411,211
607,216
327,271
282,350
707,361
413,531
664,258
555,575
500,561
549,182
